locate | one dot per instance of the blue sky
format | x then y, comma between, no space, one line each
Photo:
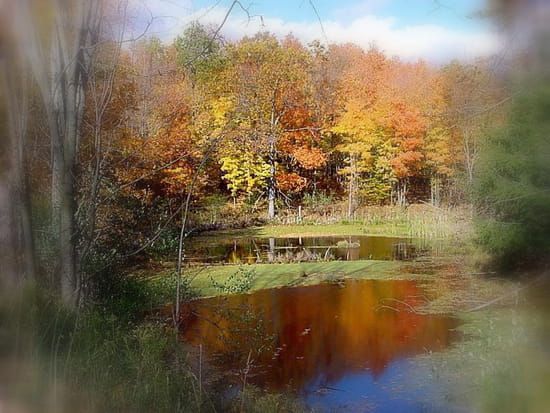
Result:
433,30
450,13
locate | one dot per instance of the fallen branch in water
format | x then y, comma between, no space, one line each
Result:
380,307
410,307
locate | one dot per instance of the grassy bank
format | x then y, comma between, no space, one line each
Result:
420,221
414,221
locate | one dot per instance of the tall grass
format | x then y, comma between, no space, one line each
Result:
90,360
99,359
418,220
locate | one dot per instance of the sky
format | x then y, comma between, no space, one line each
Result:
432,30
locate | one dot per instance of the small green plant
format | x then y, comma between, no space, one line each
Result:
238,282
163,289
165,246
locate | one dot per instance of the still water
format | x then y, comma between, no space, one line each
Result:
349,248
333,345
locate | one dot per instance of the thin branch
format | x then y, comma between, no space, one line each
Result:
509,294
312,4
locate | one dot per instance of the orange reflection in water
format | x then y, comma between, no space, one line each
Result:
313,336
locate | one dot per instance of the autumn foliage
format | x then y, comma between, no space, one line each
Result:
261,114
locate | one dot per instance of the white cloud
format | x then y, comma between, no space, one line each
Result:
430,42
360,8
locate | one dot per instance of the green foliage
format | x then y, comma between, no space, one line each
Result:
228,215
512,190
131,369
377,183
115,293
479,370
198,51
214,201
237,283
165,245
164,290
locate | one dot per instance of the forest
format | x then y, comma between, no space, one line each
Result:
251,224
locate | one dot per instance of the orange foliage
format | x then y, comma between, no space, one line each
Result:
408,129
291,182
319,113
309,158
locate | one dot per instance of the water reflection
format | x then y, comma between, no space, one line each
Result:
313,338
350,248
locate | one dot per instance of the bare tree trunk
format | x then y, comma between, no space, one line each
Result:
272,183
435,191
469,153
352,185
9,273
350,198
71,63
401,189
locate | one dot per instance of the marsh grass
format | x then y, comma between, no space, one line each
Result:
500,364
418,221
256,400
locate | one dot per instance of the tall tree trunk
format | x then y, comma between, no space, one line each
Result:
350,198
352,185
9,273
272,185
435,191
61,78
469,153
65,101
16,240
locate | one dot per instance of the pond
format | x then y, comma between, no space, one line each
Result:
349,248
334,345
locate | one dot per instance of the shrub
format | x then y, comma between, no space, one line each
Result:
238,282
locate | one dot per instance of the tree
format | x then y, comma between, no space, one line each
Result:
512,185
244,172
16,236
198,51
270,80
469,93
358,124
58,52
